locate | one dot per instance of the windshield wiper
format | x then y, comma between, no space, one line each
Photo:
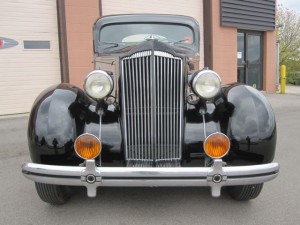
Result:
105,45
181,41
114,44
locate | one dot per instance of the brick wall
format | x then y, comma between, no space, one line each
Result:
80,16
220,48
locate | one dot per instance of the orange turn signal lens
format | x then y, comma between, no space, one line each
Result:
87,146
216,145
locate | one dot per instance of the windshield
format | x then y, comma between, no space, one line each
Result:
139,32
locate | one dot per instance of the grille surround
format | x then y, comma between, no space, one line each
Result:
152,108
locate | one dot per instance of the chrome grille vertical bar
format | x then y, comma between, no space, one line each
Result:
131,109
124,114
137,104
172,94
141,110
148,109
131,77
181,96
159,103
130,112
127,117
176,107
167,109
153,104
161,108
144,113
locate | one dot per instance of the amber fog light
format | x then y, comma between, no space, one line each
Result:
216,145
87,146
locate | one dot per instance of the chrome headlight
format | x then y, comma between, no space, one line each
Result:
98,84
206,84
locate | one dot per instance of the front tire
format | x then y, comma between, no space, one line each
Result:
53,194
245,192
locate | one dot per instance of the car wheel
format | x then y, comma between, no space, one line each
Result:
245,192
53,194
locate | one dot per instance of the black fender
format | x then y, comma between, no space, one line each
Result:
252,125
244,115
58,116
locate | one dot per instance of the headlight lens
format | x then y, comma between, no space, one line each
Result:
216,145
206,84
87,146
98,84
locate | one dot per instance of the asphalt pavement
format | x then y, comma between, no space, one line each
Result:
277,204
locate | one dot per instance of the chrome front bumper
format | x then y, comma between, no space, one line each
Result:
92,176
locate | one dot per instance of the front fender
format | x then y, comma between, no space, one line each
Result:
245,116
252,125
57,117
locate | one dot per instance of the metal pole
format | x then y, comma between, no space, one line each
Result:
277,66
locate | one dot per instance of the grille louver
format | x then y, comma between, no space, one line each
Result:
152,90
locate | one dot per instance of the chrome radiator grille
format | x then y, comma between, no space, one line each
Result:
152,90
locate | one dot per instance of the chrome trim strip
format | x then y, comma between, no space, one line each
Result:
151,176
181,109
124,114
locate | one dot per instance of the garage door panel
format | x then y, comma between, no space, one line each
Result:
26,72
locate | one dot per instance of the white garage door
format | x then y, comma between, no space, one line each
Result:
29,52
193,8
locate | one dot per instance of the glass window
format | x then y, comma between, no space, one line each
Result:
241,48
36,44
254,48
254,76
138,32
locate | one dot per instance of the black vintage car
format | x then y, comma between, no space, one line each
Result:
149,117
